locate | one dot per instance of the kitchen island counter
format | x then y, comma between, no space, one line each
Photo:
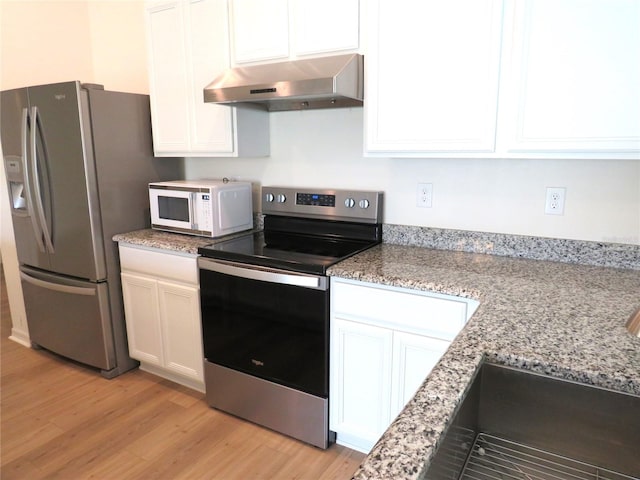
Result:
558,319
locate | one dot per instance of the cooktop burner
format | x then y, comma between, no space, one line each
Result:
306,231
298,253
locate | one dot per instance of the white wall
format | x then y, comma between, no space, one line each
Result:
44,42
324,148
118,39
94,41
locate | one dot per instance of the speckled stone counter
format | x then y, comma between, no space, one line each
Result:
555,318
175,242
600,254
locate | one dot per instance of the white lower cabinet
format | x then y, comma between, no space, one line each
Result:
162,311
142,313
360,388
413,358
384,342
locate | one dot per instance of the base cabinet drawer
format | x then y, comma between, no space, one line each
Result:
434,315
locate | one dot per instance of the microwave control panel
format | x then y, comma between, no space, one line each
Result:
204,211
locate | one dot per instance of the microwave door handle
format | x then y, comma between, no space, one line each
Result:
35,163
24,142
193,211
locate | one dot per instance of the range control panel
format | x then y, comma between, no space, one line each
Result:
319,199
330,204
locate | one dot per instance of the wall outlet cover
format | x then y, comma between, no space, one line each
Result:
424,195
554,204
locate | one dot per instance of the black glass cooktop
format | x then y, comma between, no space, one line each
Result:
295,251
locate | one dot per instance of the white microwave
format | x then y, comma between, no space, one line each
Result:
209,208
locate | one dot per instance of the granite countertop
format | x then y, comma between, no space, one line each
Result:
559,319
175,242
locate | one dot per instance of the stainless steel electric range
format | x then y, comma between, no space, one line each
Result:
265,307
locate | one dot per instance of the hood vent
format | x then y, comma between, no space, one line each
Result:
325,82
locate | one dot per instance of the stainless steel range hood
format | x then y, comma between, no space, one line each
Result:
325,82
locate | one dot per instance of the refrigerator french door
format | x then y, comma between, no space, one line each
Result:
78,160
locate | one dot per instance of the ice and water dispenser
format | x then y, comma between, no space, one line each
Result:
16,183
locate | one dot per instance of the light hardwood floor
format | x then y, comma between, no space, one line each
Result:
60,420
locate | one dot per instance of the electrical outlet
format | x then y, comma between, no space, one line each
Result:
424,195
554,204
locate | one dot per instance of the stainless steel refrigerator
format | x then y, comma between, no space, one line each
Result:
78,160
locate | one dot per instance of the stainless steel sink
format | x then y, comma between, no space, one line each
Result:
514,424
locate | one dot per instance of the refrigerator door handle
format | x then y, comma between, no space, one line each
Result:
57,287
37,231
35,129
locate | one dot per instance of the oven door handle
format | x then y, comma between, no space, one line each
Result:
261,274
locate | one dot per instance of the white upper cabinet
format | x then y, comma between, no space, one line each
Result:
169,86
188,47
260,30
212,125
573,84
325,26
432,72
264,31
509,79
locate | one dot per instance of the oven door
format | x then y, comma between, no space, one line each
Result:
271,324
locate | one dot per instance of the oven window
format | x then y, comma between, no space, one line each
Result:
272,331
173,208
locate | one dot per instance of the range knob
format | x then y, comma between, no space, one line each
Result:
364,203
349,203
268,197
281,198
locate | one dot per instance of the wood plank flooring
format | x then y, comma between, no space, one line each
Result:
60,420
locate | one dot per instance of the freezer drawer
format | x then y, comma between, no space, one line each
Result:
69,317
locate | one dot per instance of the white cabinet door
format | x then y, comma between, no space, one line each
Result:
188,48
168,81
413,358
260,30
182,334
573,83
211,125
287,29
324,26
360,383
140,295
432,72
